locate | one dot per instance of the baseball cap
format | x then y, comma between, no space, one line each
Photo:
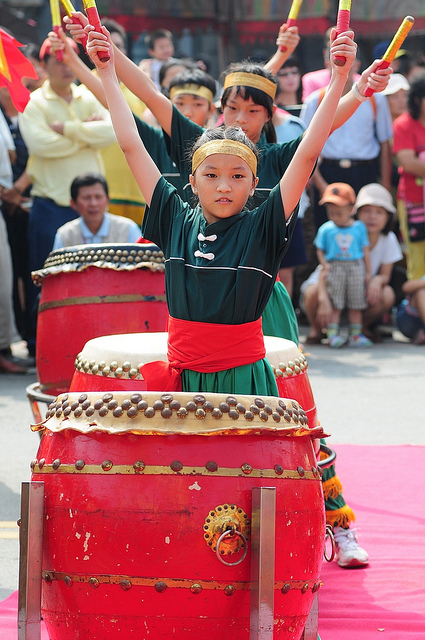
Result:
379,49
45,47
396,82
402,52
338,193
376,195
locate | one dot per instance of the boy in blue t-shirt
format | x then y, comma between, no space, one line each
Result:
342,246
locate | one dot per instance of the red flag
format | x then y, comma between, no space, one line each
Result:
13,67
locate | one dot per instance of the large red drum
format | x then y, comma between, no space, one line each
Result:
113,362
139,488
94,290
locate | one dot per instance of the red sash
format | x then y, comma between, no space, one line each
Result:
204,347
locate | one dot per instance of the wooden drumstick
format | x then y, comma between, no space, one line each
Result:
393,47
342,24
56,23
93,18
69,9
292,16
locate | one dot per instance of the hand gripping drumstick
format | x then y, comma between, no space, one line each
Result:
69,9
56,23
394,46
342,24
292,16
93,18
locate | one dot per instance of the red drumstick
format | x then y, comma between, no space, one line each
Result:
93,18
292,16
394,46
56,23
342,24
67,5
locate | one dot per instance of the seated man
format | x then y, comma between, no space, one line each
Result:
89,197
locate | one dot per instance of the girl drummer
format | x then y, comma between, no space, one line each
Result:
221,261
253,89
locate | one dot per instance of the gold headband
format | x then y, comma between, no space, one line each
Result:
243,79
229,147
193,89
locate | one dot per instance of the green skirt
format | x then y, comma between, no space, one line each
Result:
251,379
279,317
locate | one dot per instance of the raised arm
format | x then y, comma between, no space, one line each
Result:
288,39
299,170
134,79
60,42
377,79
141,164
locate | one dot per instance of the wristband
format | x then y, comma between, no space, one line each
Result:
357,93
17,189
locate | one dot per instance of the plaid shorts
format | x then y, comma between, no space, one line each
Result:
346,284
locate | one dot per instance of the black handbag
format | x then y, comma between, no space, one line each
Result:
415,221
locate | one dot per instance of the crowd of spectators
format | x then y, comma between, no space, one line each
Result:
65,134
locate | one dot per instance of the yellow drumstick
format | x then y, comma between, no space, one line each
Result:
393,47
70,9
292,16
56,23
342,24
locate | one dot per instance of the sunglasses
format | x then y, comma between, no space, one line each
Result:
286,74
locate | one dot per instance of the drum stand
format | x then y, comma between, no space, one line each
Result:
31,554
263,542
35,395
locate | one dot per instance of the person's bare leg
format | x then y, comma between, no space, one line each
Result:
311,304
286,276
372,314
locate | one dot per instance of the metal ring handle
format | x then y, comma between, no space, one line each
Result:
35,395
329,534
231,532
331,455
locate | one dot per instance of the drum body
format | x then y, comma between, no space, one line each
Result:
90,291
139,487
114,362
290,369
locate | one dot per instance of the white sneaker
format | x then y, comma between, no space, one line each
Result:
348,552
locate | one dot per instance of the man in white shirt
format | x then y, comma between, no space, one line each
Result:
89,198
64,128
358,152
8,330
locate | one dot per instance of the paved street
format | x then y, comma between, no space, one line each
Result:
371,397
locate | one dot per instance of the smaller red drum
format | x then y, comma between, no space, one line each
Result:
90,291
290,368
113,362
148,508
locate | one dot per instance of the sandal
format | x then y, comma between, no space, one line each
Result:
360,341
336,342
313,340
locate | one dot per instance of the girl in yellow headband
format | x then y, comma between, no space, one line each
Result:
221,260
247,103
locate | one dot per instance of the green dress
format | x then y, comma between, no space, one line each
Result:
279,318
221,273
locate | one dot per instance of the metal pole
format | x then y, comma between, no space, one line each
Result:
263,542
30,561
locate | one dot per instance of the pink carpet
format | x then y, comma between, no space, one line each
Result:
386,601
384,486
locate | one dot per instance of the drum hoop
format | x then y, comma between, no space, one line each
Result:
156,413
118,257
